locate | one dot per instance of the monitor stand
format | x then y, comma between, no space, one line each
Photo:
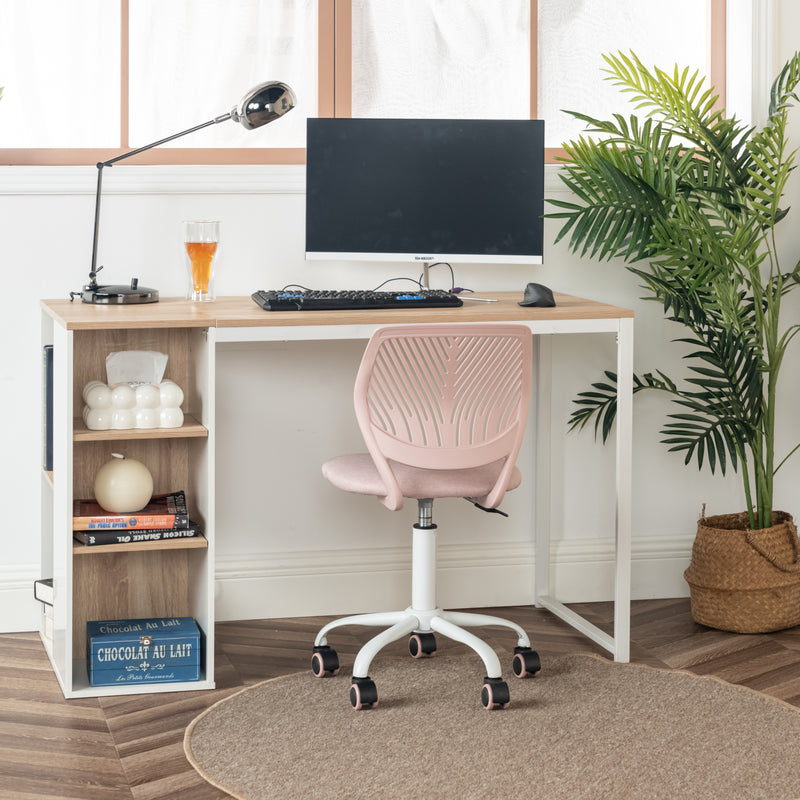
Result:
426,283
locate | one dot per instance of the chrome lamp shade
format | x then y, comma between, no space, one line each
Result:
263,104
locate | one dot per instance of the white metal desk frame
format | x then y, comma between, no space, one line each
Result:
618,644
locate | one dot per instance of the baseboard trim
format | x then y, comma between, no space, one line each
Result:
19,610
352,581
310,583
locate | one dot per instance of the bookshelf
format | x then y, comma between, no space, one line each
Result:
144,579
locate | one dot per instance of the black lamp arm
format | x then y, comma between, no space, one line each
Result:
138,150
102,164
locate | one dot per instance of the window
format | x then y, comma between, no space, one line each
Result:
52,102
120,74
129,72
573,35
446,58
478,59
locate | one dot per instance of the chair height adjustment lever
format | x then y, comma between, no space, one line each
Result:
487,510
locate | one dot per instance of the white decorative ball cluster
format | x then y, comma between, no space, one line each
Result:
123,405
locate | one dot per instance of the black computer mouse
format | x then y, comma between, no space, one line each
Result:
538,295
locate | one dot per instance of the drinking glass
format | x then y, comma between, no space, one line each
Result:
201,242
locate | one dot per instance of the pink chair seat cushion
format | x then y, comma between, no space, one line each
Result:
357,473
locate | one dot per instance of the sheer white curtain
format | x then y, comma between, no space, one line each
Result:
573,34
54,67
471,58
192,60
441,58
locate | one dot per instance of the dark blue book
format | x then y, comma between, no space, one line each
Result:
47,410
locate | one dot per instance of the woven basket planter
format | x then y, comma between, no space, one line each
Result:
742,580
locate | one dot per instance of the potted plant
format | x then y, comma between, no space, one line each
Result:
689,201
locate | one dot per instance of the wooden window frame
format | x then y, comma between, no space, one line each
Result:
334,97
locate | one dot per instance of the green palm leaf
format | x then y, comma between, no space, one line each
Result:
688,199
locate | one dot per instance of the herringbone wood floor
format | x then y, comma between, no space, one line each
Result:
131,748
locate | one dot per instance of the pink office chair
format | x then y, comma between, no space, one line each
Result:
442,409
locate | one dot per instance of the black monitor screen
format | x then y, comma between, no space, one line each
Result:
425,190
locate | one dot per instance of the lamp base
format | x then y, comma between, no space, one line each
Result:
119,294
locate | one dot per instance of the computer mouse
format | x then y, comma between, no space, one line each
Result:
538,295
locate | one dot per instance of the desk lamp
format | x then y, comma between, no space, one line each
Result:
260,106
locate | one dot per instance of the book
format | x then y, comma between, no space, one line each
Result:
98,537
47,622
43,590
164,511
47,411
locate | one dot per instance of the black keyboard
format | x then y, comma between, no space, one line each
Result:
329,300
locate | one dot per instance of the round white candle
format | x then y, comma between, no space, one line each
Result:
123,485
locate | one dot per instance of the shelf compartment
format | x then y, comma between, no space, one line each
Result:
126,584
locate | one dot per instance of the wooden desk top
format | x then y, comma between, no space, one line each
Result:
242,312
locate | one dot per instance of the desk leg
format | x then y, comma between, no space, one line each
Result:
618,644
543,353
624,441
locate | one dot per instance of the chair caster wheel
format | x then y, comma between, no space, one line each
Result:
324,662
422,644
526,663
363,693
494,693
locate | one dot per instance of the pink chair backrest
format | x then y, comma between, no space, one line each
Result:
445,396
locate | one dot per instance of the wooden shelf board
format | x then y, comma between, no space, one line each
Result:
195,543
191,429
81,687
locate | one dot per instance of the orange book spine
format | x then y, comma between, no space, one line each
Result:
130,522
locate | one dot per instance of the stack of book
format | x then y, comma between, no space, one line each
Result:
164,517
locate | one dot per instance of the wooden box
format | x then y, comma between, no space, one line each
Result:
140,651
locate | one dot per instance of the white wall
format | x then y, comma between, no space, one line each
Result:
283,409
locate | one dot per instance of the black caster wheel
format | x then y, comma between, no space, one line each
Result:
494,693
526,663
324,662
422,644
363,693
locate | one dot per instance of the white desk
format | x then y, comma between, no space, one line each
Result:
236,322
190,332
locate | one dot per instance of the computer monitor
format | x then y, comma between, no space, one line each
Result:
425,190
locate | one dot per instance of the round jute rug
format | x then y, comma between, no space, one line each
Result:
585,728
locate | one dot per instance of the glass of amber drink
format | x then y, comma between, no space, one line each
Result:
201,243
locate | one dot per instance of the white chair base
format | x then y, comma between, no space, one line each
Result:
424,617
404,623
